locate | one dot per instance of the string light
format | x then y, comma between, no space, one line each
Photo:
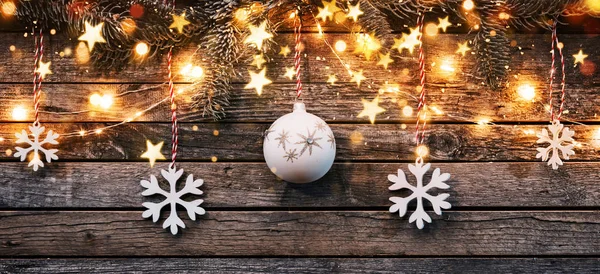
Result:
483,121
422,151
19,113
526,92
468,5
103,101
447,67
340,46
141,49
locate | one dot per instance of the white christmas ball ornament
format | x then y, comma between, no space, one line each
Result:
299,147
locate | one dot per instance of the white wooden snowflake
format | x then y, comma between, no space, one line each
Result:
556,144
173,198
36,146
419,192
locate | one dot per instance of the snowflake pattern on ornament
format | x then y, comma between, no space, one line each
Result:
36,146
173,198
556,144
419,193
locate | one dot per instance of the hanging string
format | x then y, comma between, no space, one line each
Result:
174,127
298,57
421,113
556,44
37,77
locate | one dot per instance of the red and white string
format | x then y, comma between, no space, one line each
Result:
556,44
174,126
298,56
421,113
37,77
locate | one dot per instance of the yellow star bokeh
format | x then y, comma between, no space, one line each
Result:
290,73
354,11
408,41
285,51
385,60
258,35
463,48
444,23
371,109
179,22
580,57
43,69
358,77
92,35
324,14
153,152
331,6
258,81
367,44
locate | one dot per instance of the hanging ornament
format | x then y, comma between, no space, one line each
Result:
36,146
172,175
562,137
420,192
299,147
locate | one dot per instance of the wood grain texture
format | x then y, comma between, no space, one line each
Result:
251,185
301,233
355,142
301,265
456,94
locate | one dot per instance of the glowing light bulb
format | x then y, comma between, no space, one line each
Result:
422,151
197,72
186,70
483,121
431,29
526,92
106,101
446,66
340,46
9,8
142,49
19,113
594,5
407,111
81,133
468,4
95,99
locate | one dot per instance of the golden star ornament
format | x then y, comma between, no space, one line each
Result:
92,35
153,152
179,22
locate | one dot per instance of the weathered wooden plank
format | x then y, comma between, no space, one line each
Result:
530,60
243,142
116,185
339,103
260,233
303,265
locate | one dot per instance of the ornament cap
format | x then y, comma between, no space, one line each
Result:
299,107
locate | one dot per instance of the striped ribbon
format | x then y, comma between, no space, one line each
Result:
37,77
421,123
298,57
555,44
174,126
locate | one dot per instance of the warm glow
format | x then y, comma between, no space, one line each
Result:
128,25
241,15
483,121
431,29
526,92
19,113
446,66
192,71
82,133
407,111
468,5
9,8
593,5
504,16
422,151
340,46
103,101
186,69
197,72
141,49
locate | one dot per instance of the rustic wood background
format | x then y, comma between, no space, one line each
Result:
511,213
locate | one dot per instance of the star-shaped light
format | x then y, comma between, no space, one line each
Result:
285,51
259,61
258,35
331,79
290,73
354,11
153,152
324,14
409,41
385,60
179,22
463,48
444,23
371,109
43,69
331,6
92,35
367,44
258,81
357,76
580,57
